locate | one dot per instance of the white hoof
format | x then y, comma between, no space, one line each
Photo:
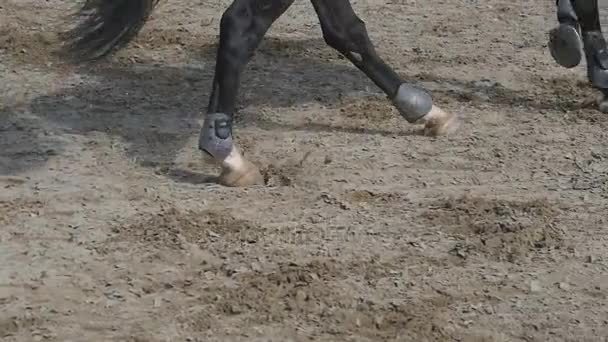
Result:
239,172
437,122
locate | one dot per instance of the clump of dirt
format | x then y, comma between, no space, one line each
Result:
275,176
10,210
566,94
575,96
313,293
285,174
375,109
11,326
170,227
592,174
499,229
26,46
373,197
290,290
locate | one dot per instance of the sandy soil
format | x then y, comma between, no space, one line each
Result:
110,230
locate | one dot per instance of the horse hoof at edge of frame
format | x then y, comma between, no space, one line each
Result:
602,103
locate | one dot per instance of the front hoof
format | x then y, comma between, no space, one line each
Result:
245,175
437,122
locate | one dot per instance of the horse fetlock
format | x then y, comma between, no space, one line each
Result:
438,122
216,140
412,103
566,45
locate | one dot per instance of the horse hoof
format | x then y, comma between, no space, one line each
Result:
602,104
246,175
437,122
566,46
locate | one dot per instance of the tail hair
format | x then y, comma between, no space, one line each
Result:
105,26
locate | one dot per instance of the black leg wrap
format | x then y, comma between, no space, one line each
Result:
597,59
566,13
216,135
412,103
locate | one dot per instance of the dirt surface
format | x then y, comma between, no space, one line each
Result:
366,231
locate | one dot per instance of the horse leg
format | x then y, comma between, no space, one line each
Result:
344,31
594,45
242,27
580,30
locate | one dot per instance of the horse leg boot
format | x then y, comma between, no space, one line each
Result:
242,27
594,44
346,33
565,43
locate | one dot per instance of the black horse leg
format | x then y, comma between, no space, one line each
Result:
580,30
242,27
346,33
594,44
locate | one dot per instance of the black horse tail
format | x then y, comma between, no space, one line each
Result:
104,27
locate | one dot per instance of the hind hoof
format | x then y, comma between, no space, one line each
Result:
566,46
437,122
246,175
602,103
